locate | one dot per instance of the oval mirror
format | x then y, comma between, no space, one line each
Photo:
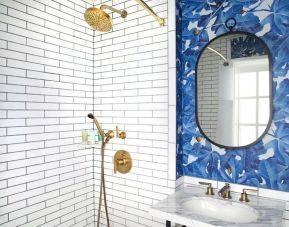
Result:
233,90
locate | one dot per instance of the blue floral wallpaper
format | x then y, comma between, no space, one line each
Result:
247,47
265,164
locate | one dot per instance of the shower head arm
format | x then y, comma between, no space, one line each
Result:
148,9
123,13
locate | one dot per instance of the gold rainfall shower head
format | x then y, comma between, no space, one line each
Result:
99,20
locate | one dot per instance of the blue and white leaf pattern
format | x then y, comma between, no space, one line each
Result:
247,47
265,164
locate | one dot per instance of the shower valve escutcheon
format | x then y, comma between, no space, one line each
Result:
122,162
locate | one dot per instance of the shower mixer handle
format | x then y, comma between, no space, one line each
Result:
121,135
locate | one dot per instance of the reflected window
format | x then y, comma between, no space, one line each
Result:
252,101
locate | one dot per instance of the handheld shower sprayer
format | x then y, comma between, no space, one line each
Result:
109,135
91,116
122,164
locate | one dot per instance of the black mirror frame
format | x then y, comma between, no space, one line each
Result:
270,91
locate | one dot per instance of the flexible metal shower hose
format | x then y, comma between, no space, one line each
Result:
102,188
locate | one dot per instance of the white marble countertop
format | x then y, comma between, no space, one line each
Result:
270,210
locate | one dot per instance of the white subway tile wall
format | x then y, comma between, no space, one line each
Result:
46,86
134,88
53,71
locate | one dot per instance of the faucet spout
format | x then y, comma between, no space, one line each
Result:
225,192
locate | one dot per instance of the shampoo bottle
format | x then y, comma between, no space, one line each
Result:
92,137
84,136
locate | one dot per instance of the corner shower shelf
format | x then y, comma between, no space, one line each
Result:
87,146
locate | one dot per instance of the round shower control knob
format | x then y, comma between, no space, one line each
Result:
122,162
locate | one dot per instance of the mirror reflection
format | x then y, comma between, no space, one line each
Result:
233,90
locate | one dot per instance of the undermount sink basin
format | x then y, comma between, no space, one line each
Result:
222,210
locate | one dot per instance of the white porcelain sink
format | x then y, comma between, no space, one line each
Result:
222,210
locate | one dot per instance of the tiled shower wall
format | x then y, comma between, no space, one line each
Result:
135,89
46,90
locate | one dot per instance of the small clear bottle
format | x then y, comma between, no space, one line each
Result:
84,136
96,136
92,137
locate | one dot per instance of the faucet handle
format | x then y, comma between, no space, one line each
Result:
121,135
210,190
244,195
225,192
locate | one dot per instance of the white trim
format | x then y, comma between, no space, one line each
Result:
172,151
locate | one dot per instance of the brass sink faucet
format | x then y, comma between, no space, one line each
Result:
210,190
244,195
225,192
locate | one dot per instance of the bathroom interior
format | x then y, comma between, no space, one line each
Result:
144,113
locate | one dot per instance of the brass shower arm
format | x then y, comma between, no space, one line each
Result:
122,13
99,20
147,8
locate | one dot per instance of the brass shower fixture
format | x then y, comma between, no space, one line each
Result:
151,12
109,135
99,20
121,135
122,162
122,13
